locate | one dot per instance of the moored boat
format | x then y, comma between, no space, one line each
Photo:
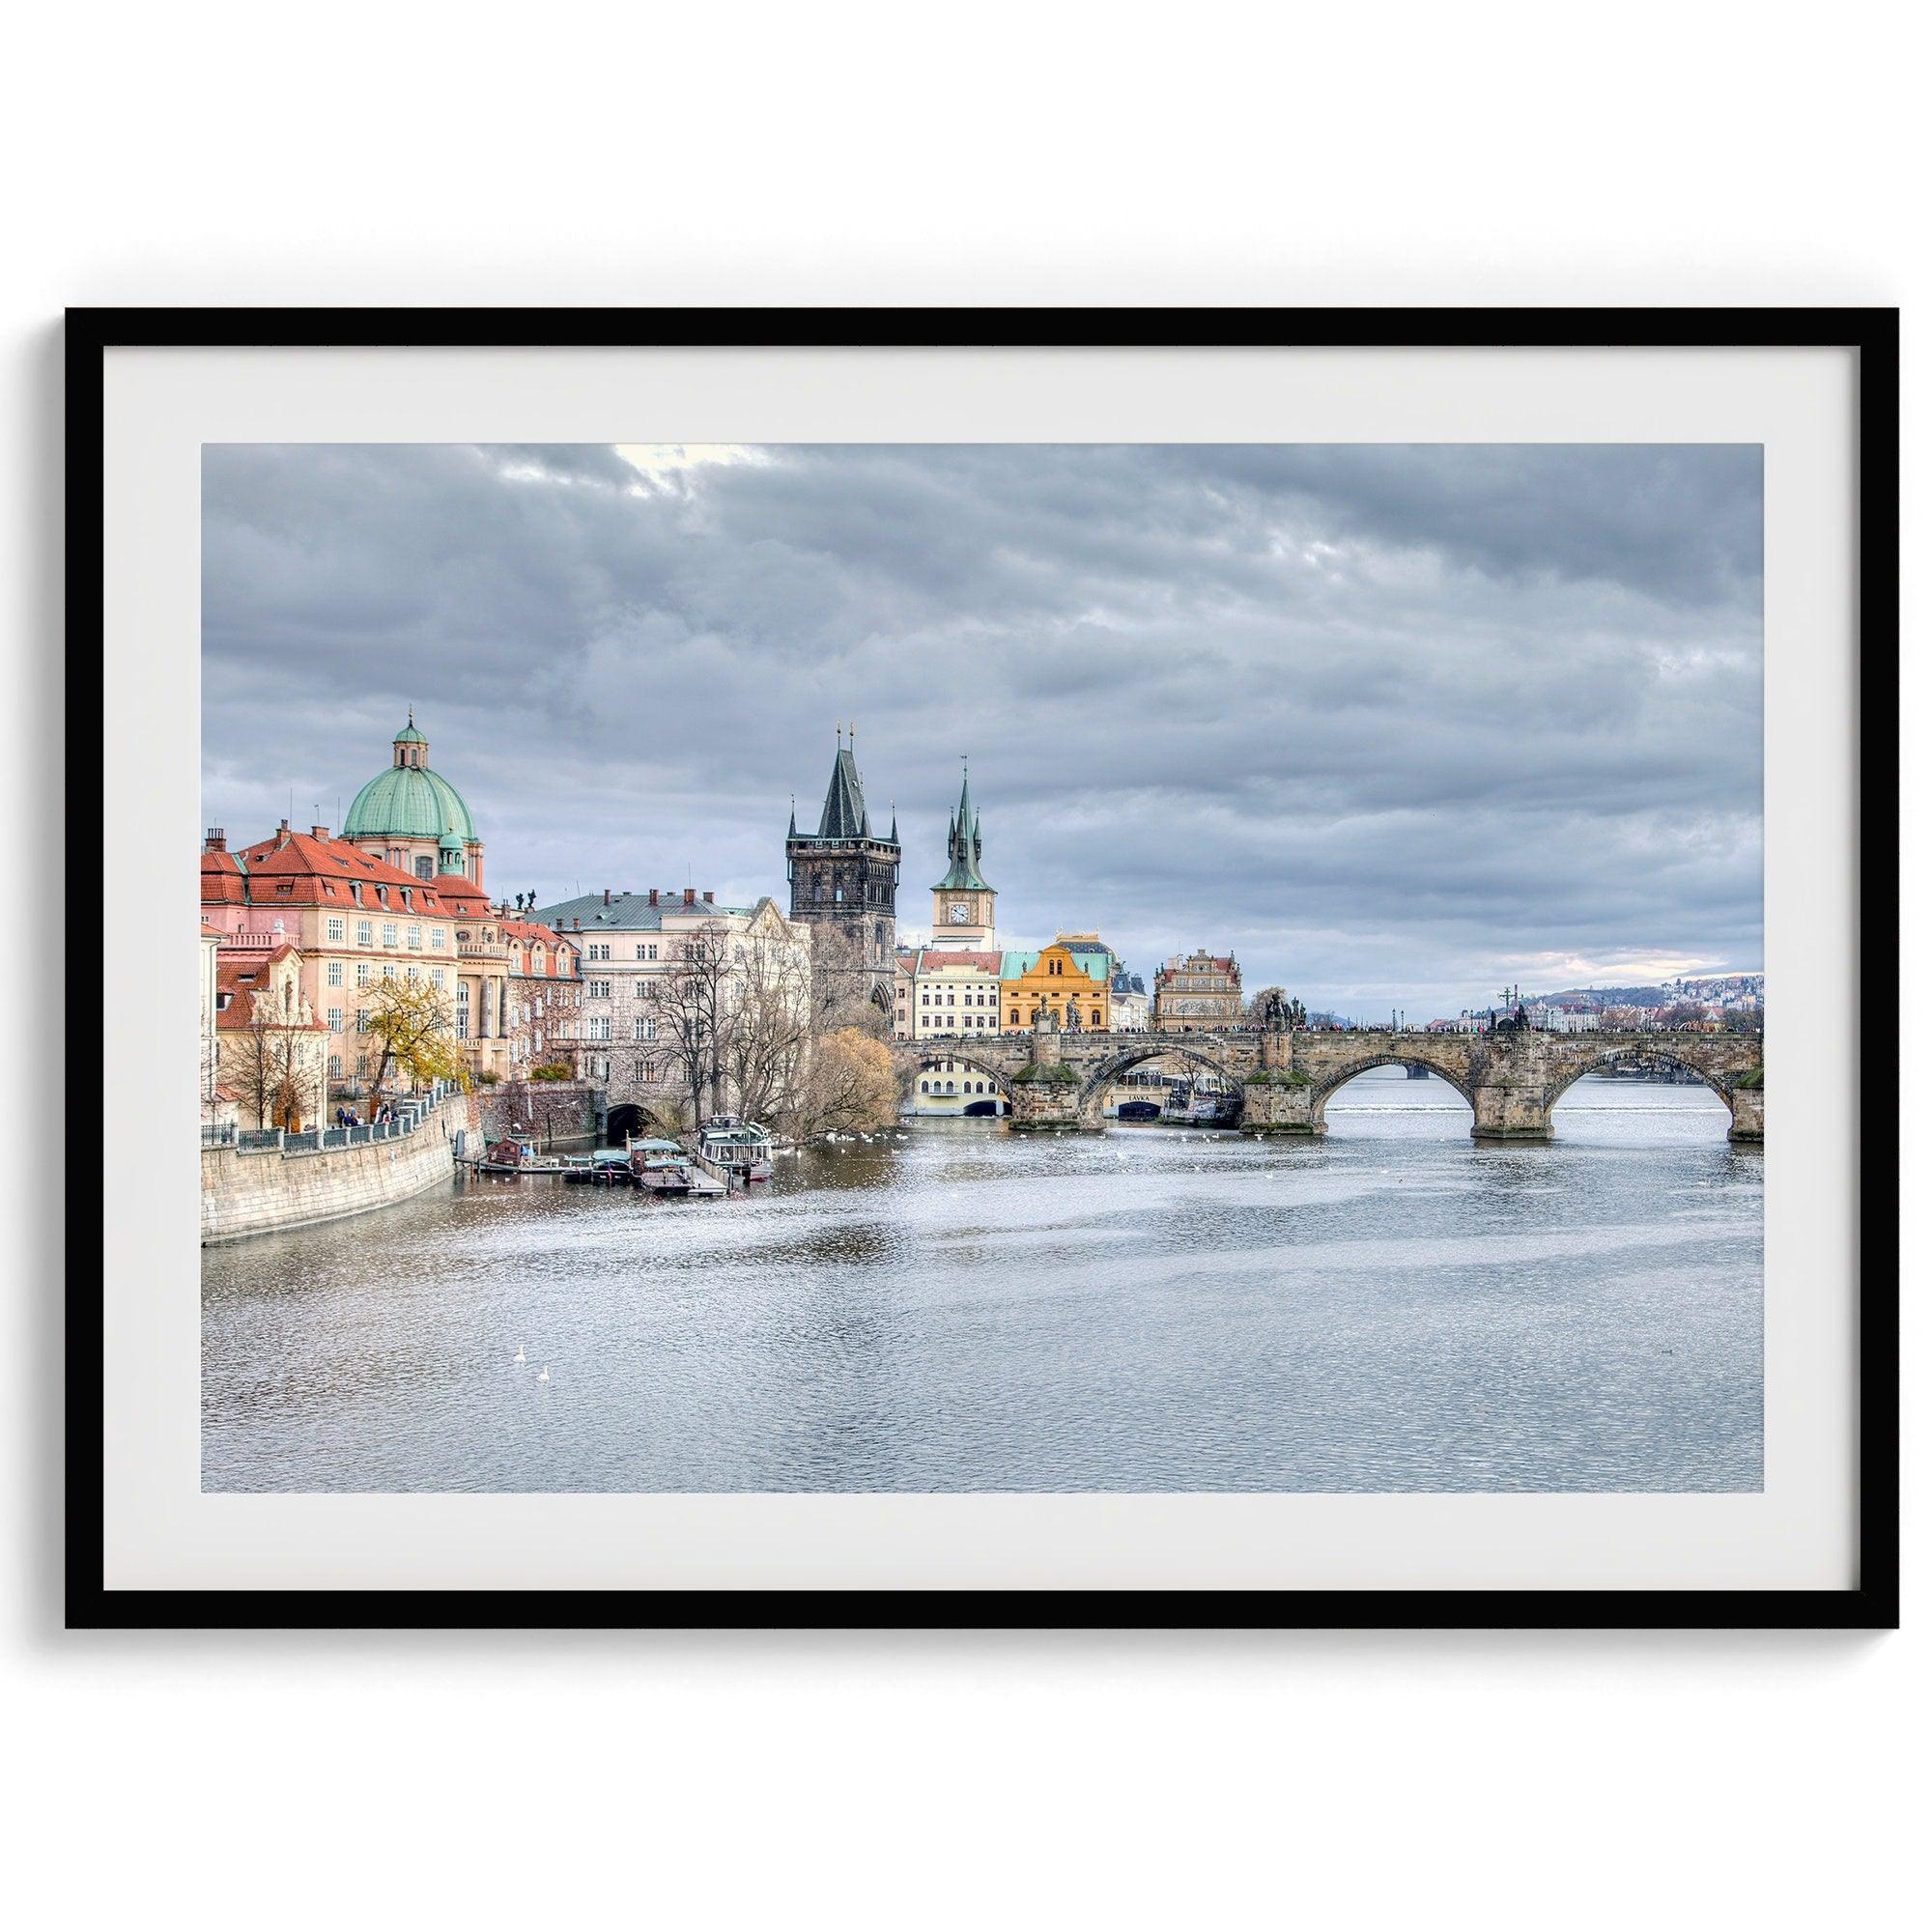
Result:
659,1167
743,1148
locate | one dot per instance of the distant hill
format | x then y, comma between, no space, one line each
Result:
1607,996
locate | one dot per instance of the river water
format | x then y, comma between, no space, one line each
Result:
955,1307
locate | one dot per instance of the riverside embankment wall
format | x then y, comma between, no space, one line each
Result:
245,1192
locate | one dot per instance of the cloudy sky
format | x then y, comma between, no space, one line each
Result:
1397,725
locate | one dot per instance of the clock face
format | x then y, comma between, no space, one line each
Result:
957,913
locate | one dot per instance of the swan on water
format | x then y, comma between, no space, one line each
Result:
520,1356
543,1375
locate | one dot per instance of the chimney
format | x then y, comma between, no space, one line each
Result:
708,899
281,835
216,839
577,925
318,831
690,894
654,896
606,895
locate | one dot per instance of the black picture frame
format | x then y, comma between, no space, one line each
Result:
1872,333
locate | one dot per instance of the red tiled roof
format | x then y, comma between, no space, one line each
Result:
935,956
303,870
241,979
531,933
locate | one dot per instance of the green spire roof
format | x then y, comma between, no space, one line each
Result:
409,734
962,847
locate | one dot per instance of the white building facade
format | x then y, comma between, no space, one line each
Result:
628,942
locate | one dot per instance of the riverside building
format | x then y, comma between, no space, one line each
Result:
353,920
627,945
416,821
1201,993
1072,987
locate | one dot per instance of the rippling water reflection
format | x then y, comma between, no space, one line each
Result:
958,1308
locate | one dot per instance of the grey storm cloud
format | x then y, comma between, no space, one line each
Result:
1396,724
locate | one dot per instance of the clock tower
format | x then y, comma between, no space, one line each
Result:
962,901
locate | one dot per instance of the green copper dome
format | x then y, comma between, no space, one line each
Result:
409,800
407,803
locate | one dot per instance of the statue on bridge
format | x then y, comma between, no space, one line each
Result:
1278,1015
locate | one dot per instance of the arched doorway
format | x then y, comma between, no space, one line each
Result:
630,1121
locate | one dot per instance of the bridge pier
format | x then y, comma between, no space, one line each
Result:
1509,1112
1279,1102
1046,1091
1747,1116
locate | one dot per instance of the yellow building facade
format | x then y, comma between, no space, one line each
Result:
1072,987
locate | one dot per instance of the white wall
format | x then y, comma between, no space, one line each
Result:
599,153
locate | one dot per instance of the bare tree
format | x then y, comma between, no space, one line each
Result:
693,1006
275,1062
767,1048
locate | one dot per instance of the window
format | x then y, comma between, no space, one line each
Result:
436,975
336,1066
650,1027
411,975
435,939
425,867
650,952
388,933
415,938
598,989
335,930
361,972
642,953
1096,1015
922,1086
643,987
600,1028
638,1070
365,933
388,970
335,1019
463,1013
361,1026
640,1029
335,972
600,953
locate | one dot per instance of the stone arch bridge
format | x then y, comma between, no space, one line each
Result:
1511,1080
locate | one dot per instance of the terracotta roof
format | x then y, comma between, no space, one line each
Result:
303,870
530,932
934,958
241,979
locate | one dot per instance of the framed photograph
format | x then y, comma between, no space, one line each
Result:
1185,968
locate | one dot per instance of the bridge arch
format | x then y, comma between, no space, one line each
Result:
1332,1080
1156,1047
1721,1081
921,1058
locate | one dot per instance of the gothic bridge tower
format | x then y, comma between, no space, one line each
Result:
845,885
